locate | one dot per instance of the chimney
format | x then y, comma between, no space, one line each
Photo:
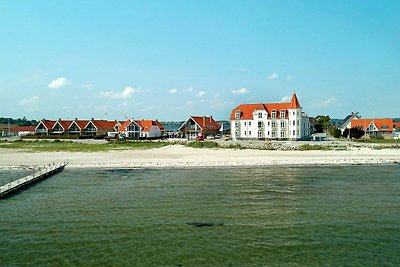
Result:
92,119
76,119
59,119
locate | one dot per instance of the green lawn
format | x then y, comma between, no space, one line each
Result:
49,146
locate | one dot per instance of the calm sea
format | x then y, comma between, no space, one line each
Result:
272,216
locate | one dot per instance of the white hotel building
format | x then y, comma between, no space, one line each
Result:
274,121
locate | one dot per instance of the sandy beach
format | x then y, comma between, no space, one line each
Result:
180,156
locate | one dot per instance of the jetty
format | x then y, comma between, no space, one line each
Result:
37,176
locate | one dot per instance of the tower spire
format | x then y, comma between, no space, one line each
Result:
294,103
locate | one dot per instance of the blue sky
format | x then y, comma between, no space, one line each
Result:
171,59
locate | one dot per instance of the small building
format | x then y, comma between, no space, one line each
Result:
141,129
199,126
318,137
44,127
377,128
22,130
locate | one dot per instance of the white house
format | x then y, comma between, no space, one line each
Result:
141,129
275,121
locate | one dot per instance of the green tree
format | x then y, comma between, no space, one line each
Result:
321,123
334,131
355,132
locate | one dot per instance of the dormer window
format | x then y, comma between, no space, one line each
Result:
273,114
260,115
237,114
283,114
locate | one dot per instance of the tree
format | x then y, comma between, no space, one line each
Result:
334,131
355,132
321,123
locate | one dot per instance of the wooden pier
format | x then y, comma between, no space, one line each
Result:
20,184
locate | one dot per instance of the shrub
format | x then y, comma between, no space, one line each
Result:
202,144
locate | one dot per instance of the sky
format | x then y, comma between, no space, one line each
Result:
168,60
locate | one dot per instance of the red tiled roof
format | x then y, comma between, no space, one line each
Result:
246,110
64,124
103,124
396,125
159,125
294,103
387,124
47,123
23,129
206,123
81,123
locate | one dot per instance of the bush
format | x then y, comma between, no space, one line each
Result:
202,144
354,133
335,132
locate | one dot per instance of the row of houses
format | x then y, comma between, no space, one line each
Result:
194,126
265,121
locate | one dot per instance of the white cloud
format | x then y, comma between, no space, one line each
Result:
240,91
126,93
189,90
286,99
273,75
58,83
325,103
172,91
201,93
30,103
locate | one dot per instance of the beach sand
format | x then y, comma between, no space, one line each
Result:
178,156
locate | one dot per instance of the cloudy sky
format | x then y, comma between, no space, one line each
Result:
171,59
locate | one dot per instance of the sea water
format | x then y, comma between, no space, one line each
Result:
264,216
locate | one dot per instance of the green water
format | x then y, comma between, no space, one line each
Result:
303,216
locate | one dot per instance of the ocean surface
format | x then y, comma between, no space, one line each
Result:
264,216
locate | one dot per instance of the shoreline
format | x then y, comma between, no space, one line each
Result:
177,156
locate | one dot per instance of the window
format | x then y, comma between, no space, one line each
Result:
273,134
273,114
268,133
268,123
283,113
259,124
249,123
245,133
294,113
282,134
237,124
294,123
259,115
294,132
259,134
385,127
298,132
273,124
237,114
249,132
245,123
298,123
282,124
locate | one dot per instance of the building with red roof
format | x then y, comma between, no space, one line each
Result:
279,121
375,127
199,126
22,130
141,129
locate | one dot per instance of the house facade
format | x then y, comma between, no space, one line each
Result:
141,129
199,126
376,128
272,121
